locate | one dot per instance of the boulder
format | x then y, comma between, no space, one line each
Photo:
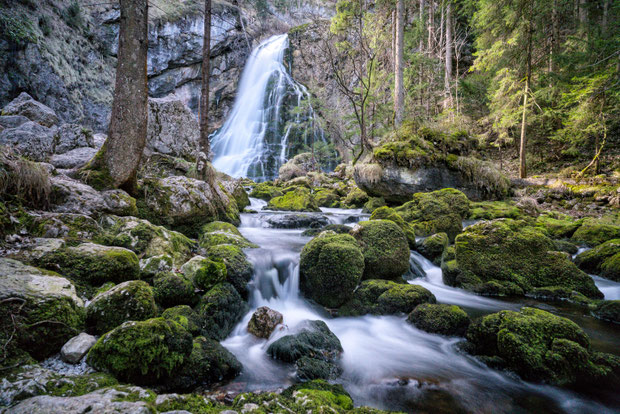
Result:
235,187
43,305
185,316
355,198
153,265
440,319
219,310
75,348
30,139
25,105
75,158
336,228
185,204
264,322
326,197
490,210
331,266
298,166
172,129
239,270
506,256
540,346
173,289
127,301
387,213
602,260
297,221
384,297
73,136
298,199
433,247
65,225
385,249
12,121
265,191
204,273
608,310
218,232
143,352
93,263
556,225
593,232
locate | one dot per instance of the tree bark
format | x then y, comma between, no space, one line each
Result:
399,90
448,76
123,149
205,145
528,75
431,18
583,13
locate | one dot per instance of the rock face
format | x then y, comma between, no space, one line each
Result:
30,139
75,348
264,322
24,105
172,129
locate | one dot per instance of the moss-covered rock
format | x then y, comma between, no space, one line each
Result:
65,225
142,352
558,294
127,301
507,257
219,311
490,210
336,228
440,319
557,226
204,273
387,213
218,232
150,266
433,247
565,246
265,191
94,264
185,316
298,199
385,249
608,310
383,297
44,308
239,270
594,232
373,203
331,266
602,260
326,197
208,363
539,346
438,211
173,289
355,198
264,321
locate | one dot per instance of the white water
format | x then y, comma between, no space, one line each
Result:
386,363
241,146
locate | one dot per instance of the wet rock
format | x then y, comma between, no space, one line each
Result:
75,348
236,188
608,310
204,273
602,260
440,319
153,265
239,270
25,105
185,316
217,232
219,310
74,158
298,199
433,247
298,166
172,129
297,221
30,139
336,228
264,322
596,231
265,191
173,289
65,225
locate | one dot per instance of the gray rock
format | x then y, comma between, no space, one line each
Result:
73,196
35,111
76,226
104,401
172,130
41,247
72,136
30,139
98,140
12,121
75,158
297,221
264,322
75,349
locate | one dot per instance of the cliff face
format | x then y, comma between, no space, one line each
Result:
64,54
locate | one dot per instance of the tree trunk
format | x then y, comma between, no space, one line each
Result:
399,90
528,75
203,167
128,121
430,27
583,13
422,28
448,77
605,16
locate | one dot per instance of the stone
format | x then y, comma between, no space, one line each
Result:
75,348
73,136
298,166
297,221
30,139
12,121
440,319
173,289
239,269
219,310
603,260
433,247
75,158
298,199
26,106
172,129
65,225
264,322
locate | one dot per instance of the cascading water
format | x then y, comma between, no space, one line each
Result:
387,363
272,117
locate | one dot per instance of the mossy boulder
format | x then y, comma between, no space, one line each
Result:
93,264
336,228
218,232
219,311
142,352
384,297
127,301
435,212
173,289
265,191
185,316
42,305
385,249
565,246
297,199
602,260
506,256
208,363
387,213
65,225
326,197
331,266
539,346
433,247
355,198
559,294
608,310
239,270
373,203
204,273
557,226
490,210
440,319
150,266
594,232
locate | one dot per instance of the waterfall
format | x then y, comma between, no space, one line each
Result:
271,120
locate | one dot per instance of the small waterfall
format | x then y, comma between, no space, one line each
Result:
272,118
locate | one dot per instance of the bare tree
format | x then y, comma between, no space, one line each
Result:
399,89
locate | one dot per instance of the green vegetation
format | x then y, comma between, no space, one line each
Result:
385,249
440,319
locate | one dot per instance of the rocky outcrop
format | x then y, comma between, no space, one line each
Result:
30,139
24,105
172,129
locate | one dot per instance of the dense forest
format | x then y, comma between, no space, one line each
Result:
309,206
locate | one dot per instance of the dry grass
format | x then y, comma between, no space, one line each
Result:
370,173
23,179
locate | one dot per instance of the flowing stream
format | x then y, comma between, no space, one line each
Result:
272,117
387,363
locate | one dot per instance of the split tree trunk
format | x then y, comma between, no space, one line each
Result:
399,90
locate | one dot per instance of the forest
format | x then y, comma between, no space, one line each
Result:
309,206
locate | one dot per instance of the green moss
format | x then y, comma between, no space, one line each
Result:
336,228
80,385
331,266
142,352
433,247
602,260
133,300
184,316
299,199
373,203
193,403
565,246
355,199
220,226
96,174
327,198
238,269
608,310
489,210
385,249
315,340
219,310
557,226
265,191
210,274
173,289
559,293
440,319
594,232
387,213
220,237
